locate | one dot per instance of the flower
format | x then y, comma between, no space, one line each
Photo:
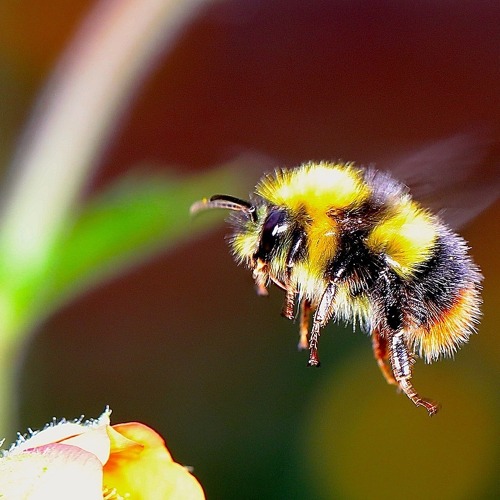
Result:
94,460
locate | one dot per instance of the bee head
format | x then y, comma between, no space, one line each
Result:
246,219
261,231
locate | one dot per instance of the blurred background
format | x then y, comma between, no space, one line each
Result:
182,342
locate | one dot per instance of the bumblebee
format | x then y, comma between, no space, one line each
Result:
350,244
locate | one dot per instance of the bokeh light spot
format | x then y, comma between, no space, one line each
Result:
363,440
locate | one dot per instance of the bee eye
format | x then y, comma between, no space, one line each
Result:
274,225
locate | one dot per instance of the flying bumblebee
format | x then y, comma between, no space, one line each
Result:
351,244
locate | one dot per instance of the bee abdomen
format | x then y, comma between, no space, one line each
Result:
444,299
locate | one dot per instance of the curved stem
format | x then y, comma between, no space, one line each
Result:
91,85
111,53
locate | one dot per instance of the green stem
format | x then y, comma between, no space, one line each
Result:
95,79
9,355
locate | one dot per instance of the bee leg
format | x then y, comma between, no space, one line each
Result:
401,362
321,317
295,251
288,306
305,312
260,275
379,344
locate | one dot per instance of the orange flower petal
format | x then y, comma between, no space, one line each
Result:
147,471
119,443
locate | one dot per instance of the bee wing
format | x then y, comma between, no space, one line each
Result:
457,178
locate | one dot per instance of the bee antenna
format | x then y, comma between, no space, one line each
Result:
227,202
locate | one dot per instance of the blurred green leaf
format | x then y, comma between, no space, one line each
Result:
133,220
